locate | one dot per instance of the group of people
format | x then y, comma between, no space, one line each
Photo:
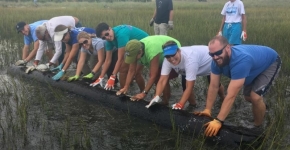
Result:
121,52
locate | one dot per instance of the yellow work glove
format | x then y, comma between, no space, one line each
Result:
205,112
212,127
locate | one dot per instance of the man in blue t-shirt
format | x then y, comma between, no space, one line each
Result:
252,67
28,30
116,40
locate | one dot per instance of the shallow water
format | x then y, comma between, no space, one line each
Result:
36,116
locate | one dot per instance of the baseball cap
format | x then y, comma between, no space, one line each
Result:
59,35
131,51
20,26
170,50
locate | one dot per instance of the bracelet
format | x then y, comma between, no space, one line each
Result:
145,92
222,122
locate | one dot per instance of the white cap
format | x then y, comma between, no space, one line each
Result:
59,35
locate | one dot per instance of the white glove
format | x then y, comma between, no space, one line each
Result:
100,81
244,35
170,25
43,67
21,63
220,33
155,100
29,69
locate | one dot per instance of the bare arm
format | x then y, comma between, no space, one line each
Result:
67,51
25,52
32,54
72,54
101,59
222,23
121,52
212,90
244,21
161,84
171,15
187,92
130,75
233,90
154,71
81,63
107,63
154,14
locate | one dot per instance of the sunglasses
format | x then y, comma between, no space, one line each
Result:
169,56
217,53
84,42
106,34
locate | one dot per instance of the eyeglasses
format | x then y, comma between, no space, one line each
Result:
217,53
106,34
84,42
169,56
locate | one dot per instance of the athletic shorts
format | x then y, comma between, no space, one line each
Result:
262,83
232,32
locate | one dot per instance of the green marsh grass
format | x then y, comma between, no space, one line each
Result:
194,24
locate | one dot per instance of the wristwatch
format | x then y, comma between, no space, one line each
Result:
145,92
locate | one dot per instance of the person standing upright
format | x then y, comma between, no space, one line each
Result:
162,17
233,25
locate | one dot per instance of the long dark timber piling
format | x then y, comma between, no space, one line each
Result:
186,122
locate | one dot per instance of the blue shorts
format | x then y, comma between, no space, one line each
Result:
232,32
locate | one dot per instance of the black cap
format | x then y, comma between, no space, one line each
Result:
20,26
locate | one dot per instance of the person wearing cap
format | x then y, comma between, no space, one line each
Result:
64,34
251,67
92,51
147,52
117,37
45,33
28,30
233,25
190,62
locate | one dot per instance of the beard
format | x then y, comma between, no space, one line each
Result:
225,61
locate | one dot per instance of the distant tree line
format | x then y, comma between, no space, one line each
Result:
111,1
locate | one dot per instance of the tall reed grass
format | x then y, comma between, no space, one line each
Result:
194,24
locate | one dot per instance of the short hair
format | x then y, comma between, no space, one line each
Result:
221,39
83,34
101,27
168,43
40,30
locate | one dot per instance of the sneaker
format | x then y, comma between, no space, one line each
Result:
190,108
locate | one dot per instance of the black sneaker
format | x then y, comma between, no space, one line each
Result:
190,108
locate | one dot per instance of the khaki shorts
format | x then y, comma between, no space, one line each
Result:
263,82
160,29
